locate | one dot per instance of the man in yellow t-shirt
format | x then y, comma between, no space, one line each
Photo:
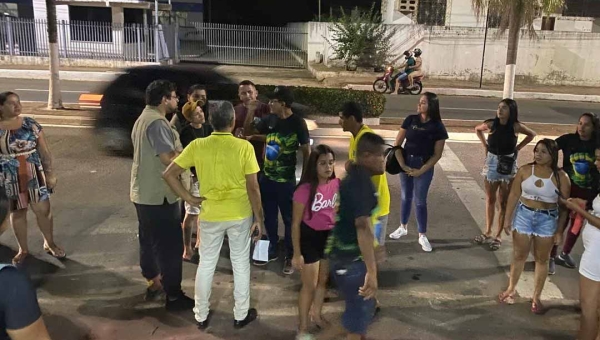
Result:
226,169
351,120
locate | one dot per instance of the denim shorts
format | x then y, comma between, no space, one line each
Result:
536,222
349,277
490,172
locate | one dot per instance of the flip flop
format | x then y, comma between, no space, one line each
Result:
481,239
508,299
53,253
495,244
537,308
19,258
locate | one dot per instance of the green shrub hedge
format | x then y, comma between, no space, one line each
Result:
325,101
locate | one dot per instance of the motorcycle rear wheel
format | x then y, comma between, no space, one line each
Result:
380,86
416,90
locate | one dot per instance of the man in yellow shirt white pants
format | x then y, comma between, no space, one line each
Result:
230,195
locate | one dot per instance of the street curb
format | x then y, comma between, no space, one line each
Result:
64,75
497,94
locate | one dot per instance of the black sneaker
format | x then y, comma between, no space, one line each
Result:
252,315
180,303
204,324
263,263
567,260
288,269
551,266
153,294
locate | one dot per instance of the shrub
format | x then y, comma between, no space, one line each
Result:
321,101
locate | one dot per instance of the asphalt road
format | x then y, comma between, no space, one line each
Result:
447,294
469,108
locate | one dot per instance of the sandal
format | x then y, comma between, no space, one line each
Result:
507,298
481,239
20,258
57,252
495,244
537,308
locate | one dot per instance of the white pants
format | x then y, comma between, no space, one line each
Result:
211,240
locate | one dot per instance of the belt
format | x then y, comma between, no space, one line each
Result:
543,211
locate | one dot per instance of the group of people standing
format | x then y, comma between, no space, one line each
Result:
539,201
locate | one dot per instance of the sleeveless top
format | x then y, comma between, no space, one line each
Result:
502,139
547,193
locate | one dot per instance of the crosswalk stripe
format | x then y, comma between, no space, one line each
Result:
473,198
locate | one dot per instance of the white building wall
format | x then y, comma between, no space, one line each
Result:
567,58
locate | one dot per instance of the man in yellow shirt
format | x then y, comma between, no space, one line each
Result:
226,168
351,120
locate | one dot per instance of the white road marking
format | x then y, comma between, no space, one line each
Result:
473,198
40,90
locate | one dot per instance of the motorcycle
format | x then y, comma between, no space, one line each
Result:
380,85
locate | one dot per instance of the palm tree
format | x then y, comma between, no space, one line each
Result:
54,95
515,14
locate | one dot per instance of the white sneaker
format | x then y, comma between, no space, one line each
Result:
398,233
424,242
305,336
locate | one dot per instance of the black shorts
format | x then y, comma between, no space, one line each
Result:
312,243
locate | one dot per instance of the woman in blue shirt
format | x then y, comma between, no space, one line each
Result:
425,136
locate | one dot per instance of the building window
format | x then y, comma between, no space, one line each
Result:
90,23
582,8
432,12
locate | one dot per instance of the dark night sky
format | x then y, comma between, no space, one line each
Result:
274,12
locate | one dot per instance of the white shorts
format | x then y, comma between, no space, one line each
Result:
195,191
590,263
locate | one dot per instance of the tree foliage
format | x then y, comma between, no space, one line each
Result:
361,38
529,10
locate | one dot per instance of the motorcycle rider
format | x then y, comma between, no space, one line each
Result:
415,70
403,74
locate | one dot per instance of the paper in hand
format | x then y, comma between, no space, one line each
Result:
261,251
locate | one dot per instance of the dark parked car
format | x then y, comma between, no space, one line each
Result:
124,99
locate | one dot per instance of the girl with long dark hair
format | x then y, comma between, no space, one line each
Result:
578,162
537,221
425,136
313,218
500,164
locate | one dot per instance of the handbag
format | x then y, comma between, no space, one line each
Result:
506,164
391,162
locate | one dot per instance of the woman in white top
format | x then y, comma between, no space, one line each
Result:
533,201
589,268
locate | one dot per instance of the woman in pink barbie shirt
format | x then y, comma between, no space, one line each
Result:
313,218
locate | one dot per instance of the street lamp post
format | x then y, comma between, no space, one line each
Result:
487,19
319,10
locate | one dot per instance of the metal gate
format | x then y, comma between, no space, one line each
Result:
243,45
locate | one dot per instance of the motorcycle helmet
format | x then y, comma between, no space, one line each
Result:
417,52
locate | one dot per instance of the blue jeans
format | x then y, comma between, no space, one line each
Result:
416,188
277,197
535,222
349,277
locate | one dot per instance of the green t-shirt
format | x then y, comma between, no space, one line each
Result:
358,198
284,137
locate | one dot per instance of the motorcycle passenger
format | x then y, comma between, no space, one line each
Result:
415,70
403,74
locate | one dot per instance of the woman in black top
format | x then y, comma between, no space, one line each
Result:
578,162
196,127
500,164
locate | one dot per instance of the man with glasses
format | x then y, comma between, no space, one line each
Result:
155,145
286,133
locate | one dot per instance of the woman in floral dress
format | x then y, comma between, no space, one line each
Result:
26,173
